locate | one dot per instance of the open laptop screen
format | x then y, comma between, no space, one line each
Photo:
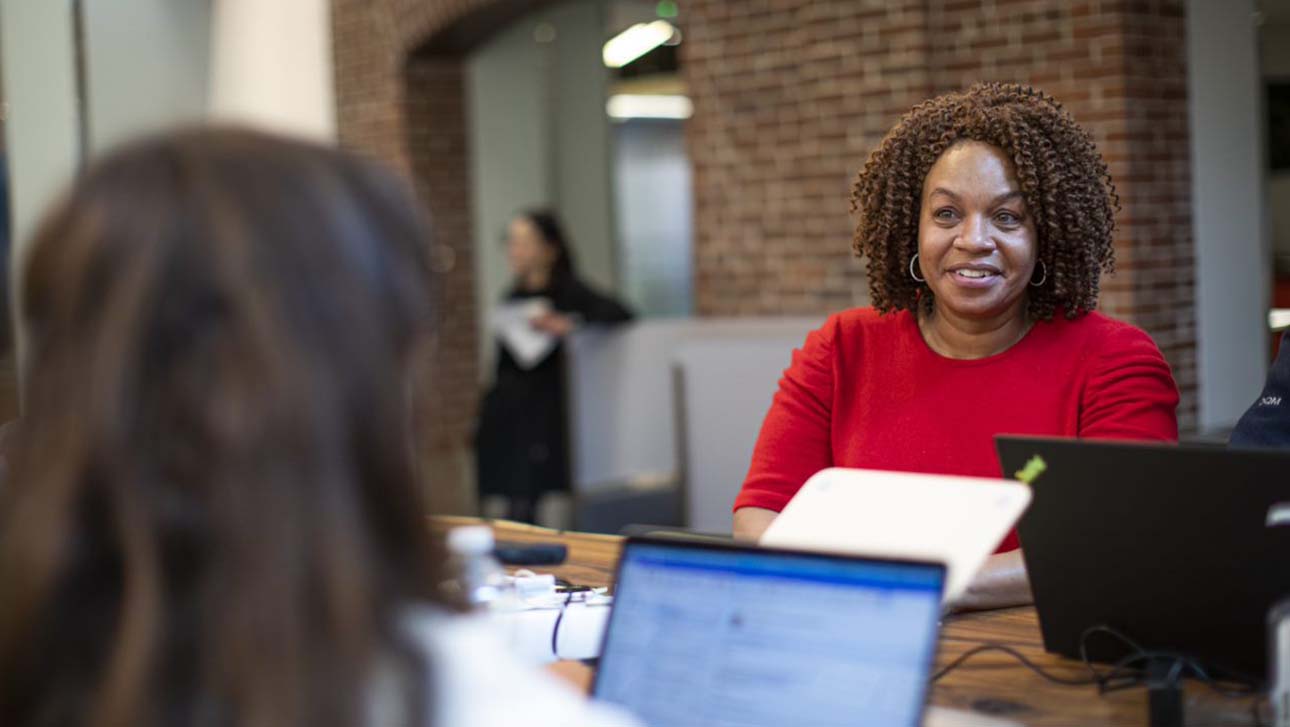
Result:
721,635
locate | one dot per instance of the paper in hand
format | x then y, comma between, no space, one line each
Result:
512,323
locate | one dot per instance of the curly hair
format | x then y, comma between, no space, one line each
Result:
1063,178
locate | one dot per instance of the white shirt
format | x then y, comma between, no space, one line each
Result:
479,682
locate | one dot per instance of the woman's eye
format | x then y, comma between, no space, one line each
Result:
944,214
1008,218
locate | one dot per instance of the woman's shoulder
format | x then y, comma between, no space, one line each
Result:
867,321
1095,332
847,332
479,682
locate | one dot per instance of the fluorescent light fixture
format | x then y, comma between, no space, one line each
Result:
635,42
1279,319
643,106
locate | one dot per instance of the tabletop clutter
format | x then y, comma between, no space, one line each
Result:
543,619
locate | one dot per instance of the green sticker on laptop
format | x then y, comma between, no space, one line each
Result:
1031,471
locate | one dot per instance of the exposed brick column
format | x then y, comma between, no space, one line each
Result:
439,151
1158,251
368,58
409,114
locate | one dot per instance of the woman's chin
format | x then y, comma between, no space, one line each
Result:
977,307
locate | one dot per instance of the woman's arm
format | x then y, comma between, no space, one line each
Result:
1130,392
1001,582
594,307
795,438
751,522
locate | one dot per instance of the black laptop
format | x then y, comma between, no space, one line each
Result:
711,633
1179,548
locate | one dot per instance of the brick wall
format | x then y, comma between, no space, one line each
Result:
1157,249
408,111
790,96
368,59
438,153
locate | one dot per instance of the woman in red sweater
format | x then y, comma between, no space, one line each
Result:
986,220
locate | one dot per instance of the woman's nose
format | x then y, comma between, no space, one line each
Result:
975,234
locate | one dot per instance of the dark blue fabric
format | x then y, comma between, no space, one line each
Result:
1267,422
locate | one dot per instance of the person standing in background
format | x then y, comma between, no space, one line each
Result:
522,449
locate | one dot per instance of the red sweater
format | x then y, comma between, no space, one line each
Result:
866,391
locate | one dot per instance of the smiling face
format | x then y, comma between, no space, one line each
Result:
976,239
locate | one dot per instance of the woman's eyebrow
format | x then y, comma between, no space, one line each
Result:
1006,196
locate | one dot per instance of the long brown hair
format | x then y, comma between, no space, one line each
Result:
212,519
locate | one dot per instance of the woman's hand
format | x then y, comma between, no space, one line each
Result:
575,673
557,324
1001,582
751,522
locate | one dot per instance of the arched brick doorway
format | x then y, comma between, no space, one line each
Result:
401,99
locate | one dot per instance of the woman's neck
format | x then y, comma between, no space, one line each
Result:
958,337
536,279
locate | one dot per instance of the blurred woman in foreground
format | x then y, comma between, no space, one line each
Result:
213,519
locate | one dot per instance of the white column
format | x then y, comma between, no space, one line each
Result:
271,66
1233,261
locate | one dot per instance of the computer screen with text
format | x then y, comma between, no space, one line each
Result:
716,636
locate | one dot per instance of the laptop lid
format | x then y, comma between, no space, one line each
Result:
706,633
1180,548
954,520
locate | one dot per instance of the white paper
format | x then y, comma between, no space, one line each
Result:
512,323
943,717
529,632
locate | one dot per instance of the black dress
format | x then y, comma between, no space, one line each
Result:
521,446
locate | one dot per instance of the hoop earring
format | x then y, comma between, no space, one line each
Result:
912,262
1043,279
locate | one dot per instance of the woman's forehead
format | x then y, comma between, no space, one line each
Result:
972,168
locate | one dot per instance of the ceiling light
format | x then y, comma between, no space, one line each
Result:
643,106
635,42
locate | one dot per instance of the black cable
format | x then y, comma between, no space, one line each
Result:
1122,675
1181,664
1026,662
555,630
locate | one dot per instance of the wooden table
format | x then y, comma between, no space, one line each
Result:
991,683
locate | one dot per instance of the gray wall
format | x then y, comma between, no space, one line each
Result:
583,187
147,63
37,52
38,47
540,138
1228,206
510,155
146,67
655,203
